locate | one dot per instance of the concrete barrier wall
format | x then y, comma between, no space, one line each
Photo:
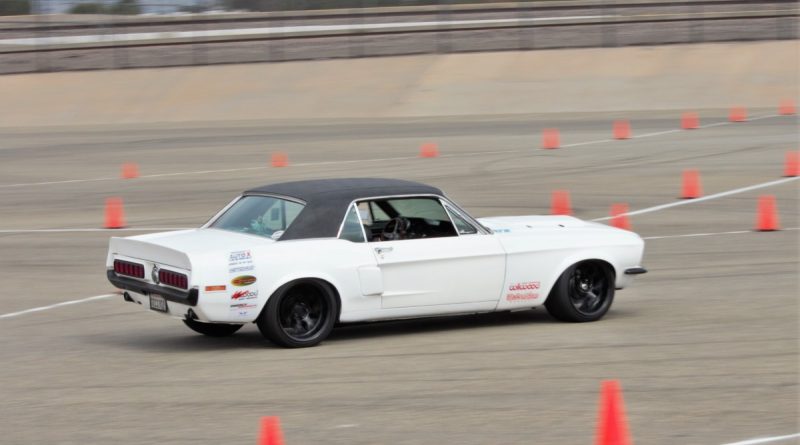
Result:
698,76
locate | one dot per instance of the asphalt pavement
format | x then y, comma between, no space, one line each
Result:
705,345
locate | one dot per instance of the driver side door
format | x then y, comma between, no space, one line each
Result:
433,263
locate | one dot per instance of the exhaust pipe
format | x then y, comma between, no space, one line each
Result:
127,297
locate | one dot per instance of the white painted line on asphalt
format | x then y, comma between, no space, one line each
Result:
124,229
758,118
704,198
765,440
277,30
658,133
692,235
53,306
716,124
357,161
578,144
67,181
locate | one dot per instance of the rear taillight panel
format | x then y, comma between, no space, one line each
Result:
129,268
173,279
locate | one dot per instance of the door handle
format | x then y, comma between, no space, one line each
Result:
382,250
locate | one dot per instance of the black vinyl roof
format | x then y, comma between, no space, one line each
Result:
327,200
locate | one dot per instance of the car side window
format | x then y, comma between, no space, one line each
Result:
396,219
462,225
377,213
352,229
266,216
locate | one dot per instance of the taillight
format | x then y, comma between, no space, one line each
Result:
128,268
173,279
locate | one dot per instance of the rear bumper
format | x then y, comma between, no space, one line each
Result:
188,297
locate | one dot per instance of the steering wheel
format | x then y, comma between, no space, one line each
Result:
395,229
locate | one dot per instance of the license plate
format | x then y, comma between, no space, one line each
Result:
158,303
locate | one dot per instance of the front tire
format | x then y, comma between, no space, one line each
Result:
584,292
299,314
212,329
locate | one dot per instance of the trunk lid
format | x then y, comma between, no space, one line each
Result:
175,248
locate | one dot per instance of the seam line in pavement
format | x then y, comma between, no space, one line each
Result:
355,161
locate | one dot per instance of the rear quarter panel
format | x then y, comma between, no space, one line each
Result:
332,260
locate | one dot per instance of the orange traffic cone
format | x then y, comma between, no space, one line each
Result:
551,138
130,170
738,114
690,121
271,433
767,219
280,159
115,218
619,216
560,203
792,167
612,428
622,129
787,107
691,185
429,150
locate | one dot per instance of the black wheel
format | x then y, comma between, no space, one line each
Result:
584,292
212,329
299,314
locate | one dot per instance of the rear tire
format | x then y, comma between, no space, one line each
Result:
299,314
212,329
584,292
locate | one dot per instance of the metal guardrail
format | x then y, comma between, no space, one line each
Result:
102,42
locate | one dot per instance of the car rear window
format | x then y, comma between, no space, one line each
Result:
266,216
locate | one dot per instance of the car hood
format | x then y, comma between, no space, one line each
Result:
501,224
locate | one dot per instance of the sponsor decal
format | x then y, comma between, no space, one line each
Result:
520,296
501,230
240,261
243,309
217,288
530,285
243,302
240,257
243,280
243,295
241,269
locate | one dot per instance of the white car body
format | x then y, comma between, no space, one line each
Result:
512,266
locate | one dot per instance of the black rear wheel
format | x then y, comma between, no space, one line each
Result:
299,314
584,292
212,329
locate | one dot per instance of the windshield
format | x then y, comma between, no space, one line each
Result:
265,216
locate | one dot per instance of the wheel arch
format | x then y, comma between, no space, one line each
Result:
573,260
290,283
